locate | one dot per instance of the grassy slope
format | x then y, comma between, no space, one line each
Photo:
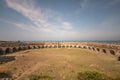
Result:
61,64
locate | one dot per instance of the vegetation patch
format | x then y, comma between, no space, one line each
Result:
88,75
40,77
26,51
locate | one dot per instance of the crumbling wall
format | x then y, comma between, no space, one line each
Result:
107,48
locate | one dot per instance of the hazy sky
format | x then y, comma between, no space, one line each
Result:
59,19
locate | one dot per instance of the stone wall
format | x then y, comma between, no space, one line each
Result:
107,48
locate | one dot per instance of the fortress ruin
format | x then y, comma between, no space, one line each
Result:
12,46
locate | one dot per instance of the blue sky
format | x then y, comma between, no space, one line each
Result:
60,20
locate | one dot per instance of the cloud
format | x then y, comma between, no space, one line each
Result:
42,21
38,17
27,9
66,25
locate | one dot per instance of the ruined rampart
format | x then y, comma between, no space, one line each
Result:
12,46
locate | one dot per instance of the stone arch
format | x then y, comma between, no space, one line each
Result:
104,51
34,47
93,48
84,47
77,46
63,46
45,46
70,46
49,46
20,49
8,50
98,49
74,46
118,52
24,48
67,46
41,46
1,51
112,52
29,47
89,48
14,49
119,58
60,46
55,46
38,46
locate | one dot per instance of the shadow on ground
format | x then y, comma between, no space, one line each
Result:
5,59
5,75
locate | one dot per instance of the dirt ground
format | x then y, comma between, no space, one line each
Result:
60,64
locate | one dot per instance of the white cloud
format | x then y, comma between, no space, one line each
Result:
27,8
41,20
38,17
66,25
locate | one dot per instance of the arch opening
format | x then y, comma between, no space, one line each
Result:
20,48
104,51
38,46
34,47
67,46
93,49
89,48
1,51
29,47
8,50
98,49
74,46
14,49
84,47
112,52
24,48
55,46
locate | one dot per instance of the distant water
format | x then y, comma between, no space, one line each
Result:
74,41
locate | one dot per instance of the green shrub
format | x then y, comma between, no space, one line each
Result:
40,77
92,76
116,79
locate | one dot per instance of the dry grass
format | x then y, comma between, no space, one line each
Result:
60,64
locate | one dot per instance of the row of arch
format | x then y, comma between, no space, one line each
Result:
104,50
16,49
21,48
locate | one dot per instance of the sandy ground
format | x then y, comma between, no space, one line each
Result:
60,64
